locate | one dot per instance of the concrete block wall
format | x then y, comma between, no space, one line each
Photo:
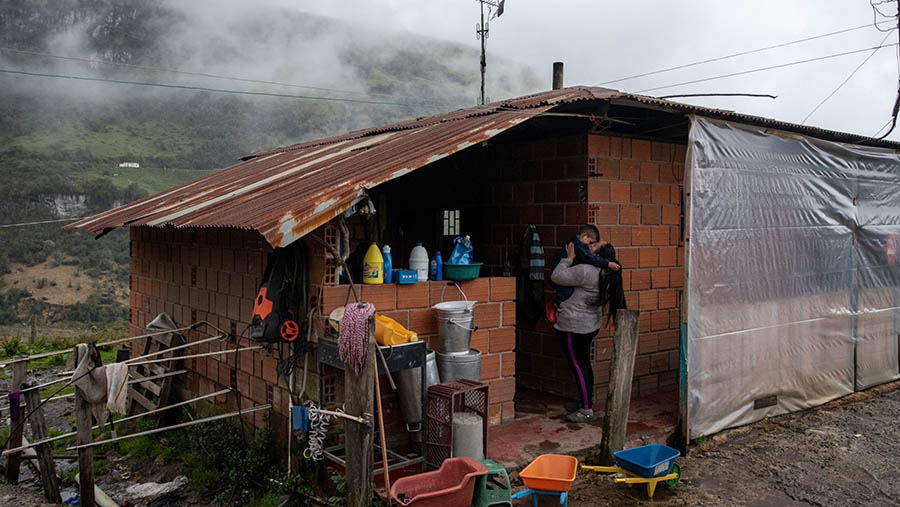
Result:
209,274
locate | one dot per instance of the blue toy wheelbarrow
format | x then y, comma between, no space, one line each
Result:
647,464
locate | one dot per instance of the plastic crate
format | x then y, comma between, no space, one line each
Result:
444,400
650,460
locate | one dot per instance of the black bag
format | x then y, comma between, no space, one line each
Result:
272,320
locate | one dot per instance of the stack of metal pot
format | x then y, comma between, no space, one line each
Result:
409,384
455,325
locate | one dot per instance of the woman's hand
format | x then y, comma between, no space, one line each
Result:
570,250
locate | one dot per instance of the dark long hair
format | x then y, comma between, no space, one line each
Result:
611,294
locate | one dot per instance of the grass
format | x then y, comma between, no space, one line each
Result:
124,140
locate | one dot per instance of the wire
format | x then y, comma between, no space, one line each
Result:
823,101
876,12
206,89
204,74
742,53
770,67
754,95
4,226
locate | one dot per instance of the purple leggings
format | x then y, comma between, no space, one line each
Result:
577,349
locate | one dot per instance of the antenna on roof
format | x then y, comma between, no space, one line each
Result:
494,10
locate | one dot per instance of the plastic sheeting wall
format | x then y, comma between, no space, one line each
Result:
792,285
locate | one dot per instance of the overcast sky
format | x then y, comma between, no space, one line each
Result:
603,40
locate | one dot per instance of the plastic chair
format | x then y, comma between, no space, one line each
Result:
488,490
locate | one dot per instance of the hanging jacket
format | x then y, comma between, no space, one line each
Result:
530,278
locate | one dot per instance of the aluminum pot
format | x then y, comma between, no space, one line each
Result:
409,389
456,366
454,320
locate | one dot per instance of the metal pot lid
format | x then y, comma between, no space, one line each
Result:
454,306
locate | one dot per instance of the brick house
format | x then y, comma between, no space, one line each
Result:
556,160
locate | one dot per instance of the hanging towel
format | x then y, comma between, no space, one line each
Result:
104,388
117,393
93,384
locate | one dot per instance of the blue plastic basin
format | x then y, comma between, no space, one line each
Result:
647,460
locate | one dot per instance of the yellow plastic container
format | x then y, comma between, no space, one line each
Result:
390,332
373,266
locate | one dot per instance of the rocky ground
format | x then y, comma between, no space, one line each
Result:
844,453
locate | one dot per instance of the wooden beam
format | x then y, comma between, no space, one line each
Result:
621,373
85,455
359,401
83,423
45,455
16,424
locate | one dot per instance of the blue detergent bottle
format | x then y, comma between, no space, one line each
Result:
436,267
388,272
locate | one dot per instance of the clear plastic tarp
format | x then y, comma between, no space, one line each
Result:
793,257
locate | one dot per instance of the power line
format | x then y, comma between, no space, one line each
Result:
845,80
770,67
4,226
742,53
207,89
200,74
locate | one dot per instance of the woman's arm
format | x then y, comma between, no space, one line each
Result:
567,275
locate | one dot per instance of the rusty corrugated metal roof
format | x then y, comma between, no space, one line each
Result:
287,192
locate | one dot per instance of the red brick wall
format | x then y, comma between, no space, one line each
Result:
631,189
495,312
635,189
209,275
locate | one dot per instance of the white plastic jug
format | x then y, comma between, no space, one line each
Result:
418,260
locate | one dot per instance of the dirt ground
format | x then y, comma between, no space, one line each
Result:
843,453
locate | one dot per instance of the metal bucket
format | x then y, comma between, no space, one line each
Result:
454,320
409,389
456,366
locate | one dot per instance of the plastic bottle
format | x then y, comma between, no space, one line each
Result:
436,269
373,266
418,260
388,264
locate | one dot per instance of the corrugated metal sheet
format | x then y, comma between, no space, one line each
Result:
287,192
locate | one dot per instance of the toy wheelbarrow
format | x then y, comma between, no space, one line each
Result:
548,474
647,464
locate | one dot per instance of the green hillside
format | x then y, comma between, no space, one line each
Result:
61,140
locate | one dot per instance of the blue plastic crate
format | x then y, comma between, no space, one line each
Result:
405,276
651,460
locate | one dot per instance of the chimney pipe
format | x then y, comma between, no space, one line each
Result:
557,75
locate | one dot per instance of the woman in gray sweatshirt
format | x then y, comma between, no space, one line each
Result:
580,316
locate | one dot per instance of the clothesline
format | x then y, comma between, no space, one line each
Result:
115,342
74,433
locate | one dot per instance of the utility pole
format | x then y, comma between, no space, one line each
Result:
482,29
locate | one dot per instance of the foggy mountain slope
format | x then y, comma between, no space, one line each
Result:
61,140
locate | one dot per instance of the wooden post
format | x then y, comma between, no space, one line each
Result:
359,401
83,425
621,373
20,370
45,457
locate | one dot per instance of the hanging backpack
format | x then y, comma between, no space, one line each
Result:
272,320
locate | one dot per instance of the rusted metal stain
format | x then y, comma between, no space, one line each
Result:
287,192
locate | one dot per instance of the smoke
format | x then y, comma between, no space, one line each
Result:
330,58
